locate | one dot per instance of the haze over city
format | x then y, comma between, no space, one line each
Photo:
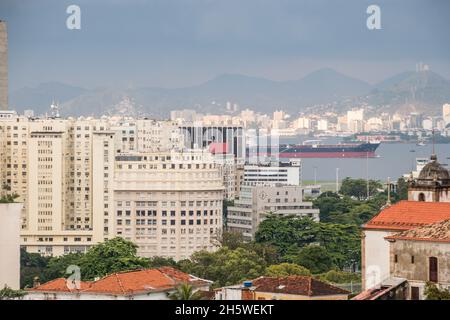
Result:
181,43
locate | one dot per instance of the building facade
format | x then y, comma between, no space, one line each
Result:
169,204
10,245
256,202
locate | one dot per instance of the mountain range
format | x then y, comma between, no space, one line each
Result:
423,91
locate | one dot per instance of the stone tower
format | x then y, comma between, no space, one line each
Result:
3,66
432,185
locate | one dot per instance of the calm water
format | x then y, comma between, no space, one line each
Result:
394,160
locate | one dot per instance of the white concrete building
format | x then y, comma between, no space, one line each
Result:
255,202
169,204
10,245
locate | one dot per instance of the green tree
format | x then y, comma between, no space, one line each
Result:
57,266
32,265
8,294
432,292
336,276
185,292
114,255
358,188
9,198
225,266
402,189
315,258
286,269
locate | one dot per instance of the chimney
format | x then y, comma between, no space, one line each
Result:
36,282
3,66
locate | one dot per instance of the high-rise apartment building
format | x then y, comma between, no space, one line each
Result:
54,166
3,66
76,176
169,204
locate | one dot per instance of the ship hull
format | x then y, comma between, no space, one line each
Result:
363,150
327,154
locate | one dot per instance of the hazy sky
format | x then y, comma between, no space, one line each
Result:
174,43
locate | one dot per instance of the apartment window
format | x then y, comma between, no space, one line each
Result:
395,258
412,259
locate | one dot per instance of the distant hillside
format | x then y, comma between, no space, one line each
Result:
421,91
40,97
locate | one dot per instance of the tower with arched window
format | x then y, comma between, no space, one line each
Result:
432,185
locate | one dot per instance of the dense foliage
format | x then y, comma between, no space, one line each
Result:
432,292
339,245
9,294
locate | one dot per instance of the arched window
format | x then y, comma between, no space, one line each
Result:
421,197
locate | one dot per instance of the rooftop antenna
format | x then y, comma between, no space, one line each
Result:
433,155
388,191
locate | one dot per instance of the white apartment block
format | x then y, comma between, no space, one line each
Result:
255,202
288,173
169,204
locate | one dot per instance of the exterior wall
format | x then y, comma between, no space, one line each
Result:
169,204
375,263
417,273
10,245
285,296
431,194
3,66
238,293
257,201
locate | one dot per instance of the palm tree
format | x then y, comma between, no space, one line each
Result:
185,292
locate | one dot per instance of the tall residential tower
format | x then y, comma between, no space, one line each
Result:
3,66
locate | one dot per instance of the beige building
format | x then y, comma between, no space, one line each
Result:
10,245
169,204
421,255
54,166
427,203
72,177
3,66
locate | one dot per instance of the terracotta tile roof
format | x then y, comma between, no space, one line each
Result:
299,285
132,282
59,285
436,232
405,215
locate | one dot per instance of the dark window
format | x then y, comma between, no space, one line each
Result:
433,269
421,197
395,258
414,293
412,259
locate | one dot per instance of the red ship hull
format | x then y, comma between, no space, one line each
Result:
327,155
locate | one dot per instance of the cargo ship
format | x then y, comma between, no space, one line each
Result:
344,150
